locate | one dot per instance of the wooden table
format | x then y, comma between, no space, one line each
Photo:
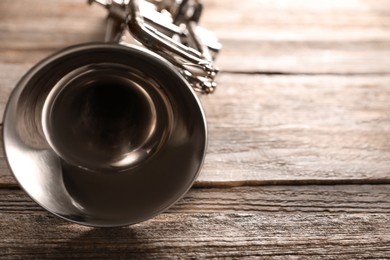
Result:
298,163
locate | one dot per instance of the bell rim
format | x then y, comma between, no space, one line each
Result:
156,58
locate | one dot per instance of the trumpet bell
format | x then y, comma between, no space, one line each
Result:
104,135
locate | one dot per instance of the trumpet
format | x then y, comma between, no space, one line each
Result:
112,133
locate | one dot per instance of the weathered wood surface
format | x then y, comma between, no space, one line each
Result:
258,36
265,36
303,98
303,36
279,221
288,129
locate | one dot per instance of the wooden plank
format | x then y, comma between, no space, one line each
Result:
298,128
303,20
348,199
314,221
294,129
360,20
302,36
30,34
291,57
262,57
6,177
258,36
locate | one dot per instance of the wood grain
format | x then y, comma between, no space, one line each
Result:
303,98
348,199
298,128
293,129
302,36
258,36
317,221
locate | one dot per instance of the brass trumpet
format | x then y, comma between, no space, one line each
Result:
111,134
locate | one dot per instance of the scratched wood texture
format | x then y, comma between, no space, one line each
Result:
303,99
343,222
303,93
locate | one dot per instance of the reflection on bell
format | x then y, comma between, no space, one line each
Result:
104,116
106,134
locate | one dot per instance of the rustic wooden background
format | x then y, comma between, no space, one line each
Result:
298,163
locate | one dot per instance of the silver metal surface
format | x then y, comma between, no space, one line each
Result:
176,35
106,134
